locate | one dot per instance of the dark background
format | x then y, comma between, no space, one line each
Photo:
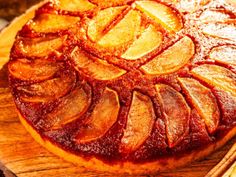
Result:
12,8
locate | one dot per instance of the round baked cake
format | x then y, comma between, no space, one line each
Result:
127,86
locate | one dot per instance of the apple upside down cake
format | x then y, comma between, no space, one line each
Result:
128,86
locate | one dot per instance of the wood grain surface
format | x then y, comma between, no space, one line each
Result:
24,157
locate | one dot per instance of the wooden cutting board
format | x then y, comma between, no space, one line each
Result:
24,157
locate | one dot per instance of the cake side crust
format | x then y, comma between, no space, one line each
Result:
127,167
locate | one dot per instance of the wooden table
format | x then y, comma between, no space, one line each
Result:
25,158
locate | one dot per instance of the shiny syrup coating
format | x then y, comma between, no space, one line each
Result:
131,81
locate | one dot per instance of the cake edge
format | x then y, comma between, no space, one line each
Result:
126,167
9,32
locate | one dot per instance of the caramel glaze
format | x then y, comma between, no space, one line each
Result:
107,147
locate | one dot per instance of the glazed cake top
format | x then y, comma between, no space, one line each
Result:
127,80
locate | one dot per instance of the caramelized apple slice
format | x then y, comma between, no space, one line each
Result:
224,54
227,105
226,30
191,5
172,59
48,90
46,23
33,69
213,15
94,67
176,113
103,117
125,31
162,14
204,102
150,39
101,21
109,3
72,107
76,5
216,76
40,47
139,122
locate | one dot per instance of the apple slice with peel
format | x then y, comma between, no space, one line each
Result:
216,76
204,102
176,113
224,54
224,30
139,123
46,23
101,21
94,67
48,90
150,39
104,115
32,70
75,5
39,47
162,14
71,108
123,32
172,59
